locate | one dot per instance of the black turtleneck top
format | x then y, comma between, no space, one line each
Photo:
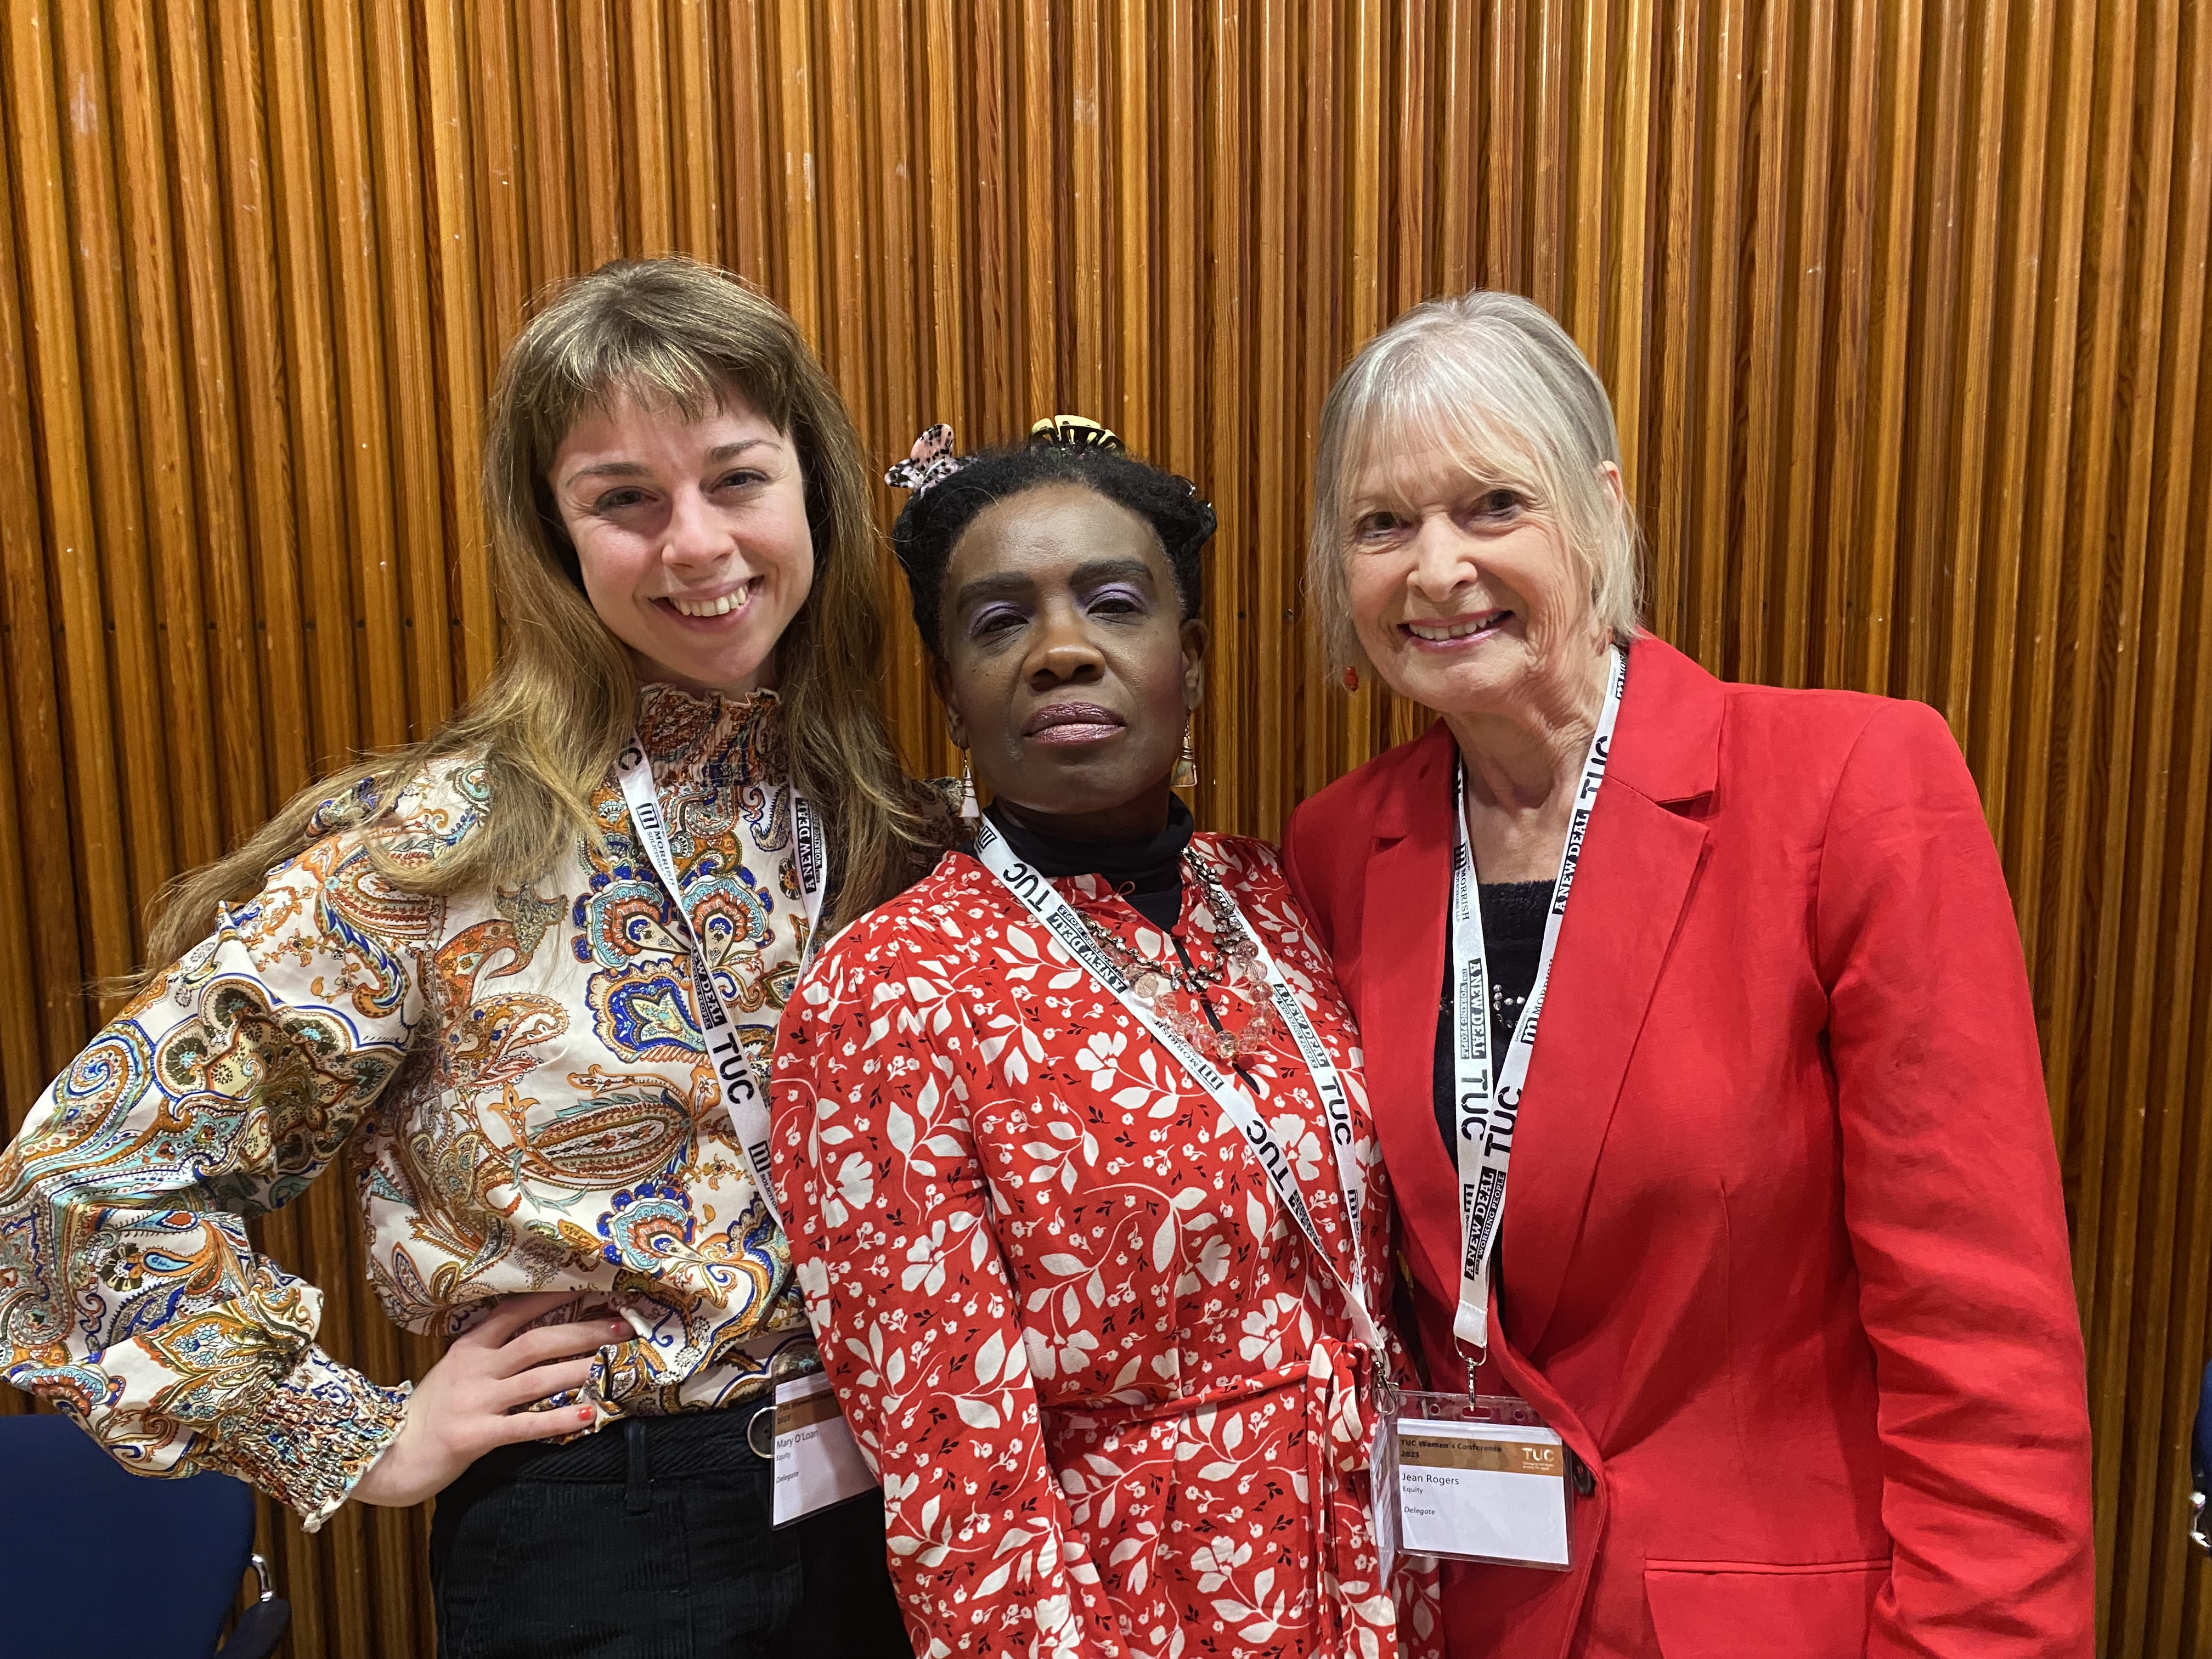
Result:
1147,872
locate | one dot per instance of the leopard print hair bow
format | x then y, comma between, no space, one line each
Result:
931,461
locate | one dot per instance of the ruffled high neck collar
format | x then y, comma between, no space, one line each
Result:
678,726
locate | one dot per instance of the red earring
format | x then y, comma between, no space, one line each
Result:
1352,679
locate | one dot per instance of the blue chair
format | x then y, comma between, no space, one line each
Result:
2200,1458
96,1559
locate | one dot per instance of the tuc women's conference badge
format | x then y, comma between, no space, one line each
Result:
1478,1491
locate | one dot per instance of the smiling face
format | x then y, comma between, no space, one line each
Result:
691,535
1463,594
1069,671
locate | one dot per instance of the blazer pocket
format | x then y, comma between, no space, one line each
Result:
1755,1610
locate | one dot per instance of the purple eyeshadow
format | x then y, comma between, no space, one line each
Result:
988,614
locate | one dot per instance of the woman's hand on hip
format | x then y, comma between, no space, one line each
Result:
477,1397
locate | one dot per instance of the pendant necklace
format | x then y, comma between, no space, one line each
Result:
1175,993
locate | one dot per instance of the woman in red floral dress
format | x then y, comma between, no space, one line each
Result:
1112,1376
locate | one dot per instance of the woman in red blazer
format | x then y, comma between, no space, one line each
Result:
1783,1260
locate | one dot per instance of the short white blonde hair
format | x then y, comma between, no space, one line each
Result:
1504,387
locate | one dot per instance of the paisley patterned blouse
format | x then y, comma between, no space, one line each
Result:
1114,1399
520,1077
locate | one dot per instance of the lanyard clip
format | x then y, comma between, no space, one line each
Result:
1386,1392
1474,1365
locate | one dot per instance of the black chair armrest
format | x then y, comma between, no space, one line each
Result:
258,1631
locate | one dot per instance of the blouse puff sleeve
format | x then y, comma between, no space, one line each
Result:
1951,1200
873,1150
129,1294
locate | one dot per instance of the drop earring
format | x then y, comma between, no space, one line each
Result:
1186,772
970,812
1352,679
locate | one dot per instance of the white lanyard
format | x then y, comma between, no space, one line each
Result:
1485,1116
743,1096
1060,918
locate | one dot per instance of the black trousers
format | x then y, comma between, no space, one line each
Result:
651,1540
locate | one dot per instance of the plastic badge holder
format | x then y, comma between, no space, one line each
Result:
1460,1494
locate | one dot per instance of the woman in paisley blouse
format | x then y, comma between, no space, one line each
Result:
1114,1379
461,967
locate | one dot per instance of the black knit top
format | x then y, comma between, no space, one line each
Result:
1147,871
1513,914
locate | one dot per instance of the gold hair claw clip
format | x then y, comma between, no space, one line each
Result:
1076,431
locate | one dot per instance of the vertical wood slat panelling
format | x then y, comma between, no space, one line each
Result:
1902,304
44,1019
55,412
117,584
2178,1291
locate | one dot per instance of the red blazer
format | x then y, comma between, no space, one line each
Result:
1784,1259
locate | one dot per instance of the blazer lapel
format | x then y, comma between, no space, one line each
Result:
1407,897
1638,867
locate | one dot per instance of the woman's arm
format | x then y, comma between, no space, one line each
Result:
890,1231
1951,1195
130,1293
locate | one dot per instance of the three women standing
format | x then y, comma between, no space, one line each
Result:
466,966
1082,1183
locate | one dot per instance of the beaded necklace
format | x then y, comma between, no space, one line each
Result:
1175,992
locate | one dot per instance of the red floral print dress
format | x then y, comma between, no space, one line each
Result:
1115,1404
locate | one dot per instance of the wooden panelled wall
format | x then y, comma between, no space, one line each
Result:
1902,303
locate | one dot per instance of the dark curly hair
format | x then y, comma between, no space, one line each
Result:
934,518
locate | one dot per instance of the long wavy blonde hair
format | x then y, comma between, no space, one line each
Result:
548,725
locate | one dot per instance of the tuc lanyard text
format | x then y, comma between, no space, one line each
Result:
743,1095
1060,918
1489,1101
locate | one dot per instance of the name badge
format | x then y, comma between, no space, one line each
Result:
817,1461
1470,1483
